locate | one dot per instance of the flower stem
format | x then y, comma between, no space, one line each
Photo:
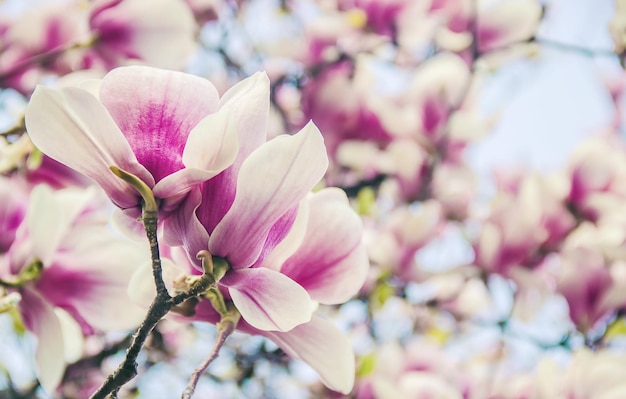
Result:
225,328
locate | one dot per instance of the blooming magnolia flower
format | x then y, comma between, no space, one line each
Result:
317,258
60,263
287,250
247,213
160,126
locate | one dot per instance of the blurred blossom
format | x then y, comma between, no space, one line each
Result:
159,33
524,225
35,44
597,169
597,375
342,103
497,24
14,199
421,370
454,186
58,38
393,245
60,263
617,28
593,286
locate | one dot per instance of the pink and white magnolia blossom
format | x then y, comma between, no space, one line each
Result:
287,249
312,255
161,126
61,264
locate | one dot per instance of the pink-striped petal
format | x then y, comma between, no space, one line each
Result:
183,227
156,110
323,347
211,148
291,242
331,264
71,126
268,300
248,102
272,180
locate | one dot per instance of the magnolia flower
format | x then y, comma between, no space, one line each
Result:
161,126
61,265
315,258
286,249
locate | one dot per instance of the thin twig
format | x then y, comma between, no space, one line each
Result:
586,51
224,329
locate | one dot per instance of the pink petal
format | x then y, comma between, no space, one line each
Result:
331,264
279,231
268,300
248,102
323,347
183,227
72,127
273,179
156,110
39,317
211,147
290,243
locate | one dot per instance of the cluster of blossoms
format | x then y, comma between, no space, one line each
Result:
324,210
